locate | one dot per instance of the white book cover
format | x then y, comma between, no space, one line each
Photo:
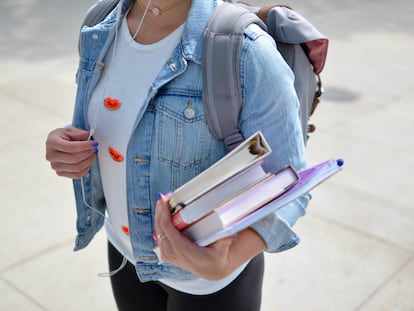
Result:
218,195
248,153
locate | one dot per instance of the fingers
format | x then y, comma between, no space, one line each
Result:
71,168
163,223
67,140
213,262
68,153
170,241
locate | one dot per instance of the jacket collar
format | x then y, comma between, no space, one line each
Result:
192,37
197,20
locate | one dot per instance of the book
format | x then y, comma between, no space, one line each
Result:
308,179
205,204
246,202
250,152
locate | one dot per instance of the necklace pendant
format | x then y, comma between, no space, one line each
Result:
156,11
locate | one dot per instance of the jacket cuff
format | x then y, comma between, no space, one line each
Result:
276,233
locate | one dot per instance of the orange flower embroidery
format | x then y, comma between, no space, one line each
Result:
125,229
112,103
116,156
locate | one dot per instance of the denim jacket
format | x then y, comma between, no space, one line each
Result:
168,147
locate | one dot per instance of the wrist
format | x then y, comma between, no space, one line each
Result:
247,246
244,246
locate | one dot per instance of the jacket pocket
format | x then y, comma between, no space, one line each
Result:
183,137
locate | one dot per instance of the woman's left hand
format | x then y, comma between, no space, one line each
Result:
212,262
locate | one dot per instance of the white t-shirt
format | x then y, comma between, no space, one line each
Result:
112,114
124,85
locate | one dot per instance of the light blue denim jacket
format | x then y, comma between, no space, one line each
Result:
167,148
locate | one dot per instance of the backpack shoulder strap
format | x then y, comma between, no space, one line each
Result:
222,96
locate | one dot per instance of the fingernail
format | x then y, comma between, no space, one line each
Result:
95,144
96,151
159,195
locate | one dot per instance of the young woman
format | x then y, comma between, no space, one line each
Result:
139,75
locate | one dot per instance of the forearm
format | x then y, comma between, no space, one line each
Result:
247,245
241,248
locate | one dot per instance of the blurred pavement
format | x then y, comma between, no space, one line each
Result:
357,249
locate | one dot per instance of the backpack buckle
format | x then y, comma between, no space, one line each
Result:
233,140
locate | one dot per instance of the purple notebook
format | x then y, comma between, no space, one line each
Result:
308,179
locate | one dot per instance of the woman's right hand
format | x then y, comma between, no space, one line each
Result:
69,152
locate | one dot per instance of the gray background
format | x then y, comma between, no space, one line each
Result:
357,249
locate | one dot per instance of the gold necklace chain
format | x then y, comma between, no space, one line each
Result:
158,11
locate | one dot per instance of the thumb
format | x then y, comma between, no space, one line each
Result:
75,134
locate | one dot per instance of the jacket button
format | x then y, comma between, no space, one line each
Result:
147,257
141,210
172,66
189,113
140,160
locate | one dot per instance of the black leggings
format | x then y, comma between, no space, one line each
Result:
243,294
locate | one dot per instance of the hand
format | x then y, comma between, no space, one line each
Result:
69,153
213,262
210,262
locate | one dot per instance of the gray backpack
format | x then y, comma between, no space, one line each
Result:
302,46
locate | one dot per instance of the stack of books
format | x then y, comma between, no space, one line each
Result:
235,192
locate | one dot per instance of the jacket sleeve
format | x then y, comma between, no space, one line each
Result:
270,104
